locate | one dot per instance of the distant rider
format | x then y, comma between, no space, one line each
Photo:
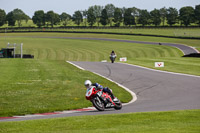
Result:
88,85
113,54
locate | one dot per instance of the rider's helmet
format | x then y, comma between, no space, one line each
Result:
88,84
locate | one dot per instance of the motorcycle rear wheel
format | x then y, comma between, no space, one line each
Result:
98,104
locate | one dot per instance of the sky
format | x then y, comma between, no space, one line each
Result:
70,6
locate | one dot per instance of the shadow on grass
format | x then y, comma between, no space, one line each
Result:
197,55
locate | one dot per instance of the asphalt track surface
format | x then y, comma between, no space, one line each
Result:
155,90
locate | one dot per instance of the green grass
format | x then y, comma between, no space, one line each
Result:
29,23
154,122
190,42
36,86
86,50
91,50
180,65
175,32
183,32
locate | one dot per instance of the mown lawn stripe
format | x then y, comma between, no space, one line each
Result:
149,122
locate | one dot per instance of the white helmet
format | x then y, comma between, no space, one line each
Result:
88,84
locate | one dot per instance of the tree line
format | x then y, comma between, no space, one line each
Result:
107,15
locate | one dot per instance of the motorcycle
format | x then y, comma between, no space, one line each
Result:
102,100
112,58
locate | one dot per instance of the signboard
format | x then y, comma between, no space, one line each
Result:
123,59
159,64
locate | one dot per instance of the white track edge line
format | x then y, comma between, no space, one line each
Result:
75,65
195,49
134,97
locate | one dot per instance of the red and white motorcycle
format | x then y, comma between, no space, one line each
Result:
102,100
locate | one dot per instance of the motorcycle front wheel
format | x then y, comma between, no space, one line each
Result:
112,60
118,105
98,104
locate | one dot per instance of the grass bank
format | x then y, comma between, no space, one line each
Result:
175,32
171,32
154,122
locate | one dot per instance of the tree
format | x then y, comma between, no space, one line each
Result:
197,14
129,19
65,18
2,17
85,14
110,8
155,17
123,12
19,15
39,18
135,11
104,17
97,13
186,15
10,18
52,18
91,16
144,17
172,16
77,17
27,18
117,16
163,14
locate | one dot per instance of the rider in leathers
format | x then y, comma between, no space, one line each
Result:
88,84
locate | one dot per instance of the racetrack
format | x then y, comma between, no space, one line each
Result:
155,90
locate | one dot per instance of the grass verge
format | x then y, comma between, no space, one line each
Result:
173,32
179,65
151,122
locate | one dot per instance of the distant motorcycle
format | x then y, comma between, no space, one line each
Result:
102,100
112,58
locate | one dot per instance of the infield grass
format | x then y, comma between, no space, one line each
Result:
150,122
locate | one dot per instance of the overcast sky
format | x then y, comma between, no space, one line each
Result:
70,6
